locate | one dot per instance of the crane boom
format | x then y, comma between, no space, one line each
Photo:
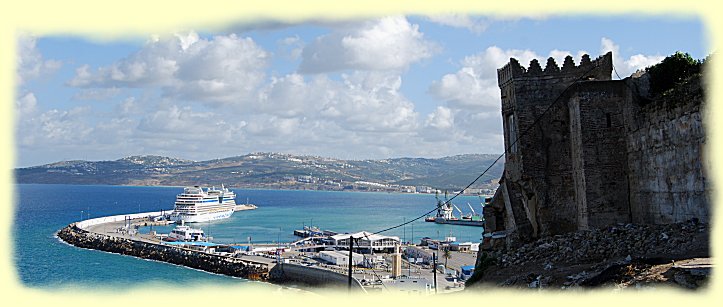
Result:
455,206
470,207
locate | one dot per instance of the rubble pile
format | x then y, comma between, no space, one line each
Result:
615,242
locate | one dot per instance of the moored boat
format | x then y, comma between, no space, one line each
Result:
445,215
185,233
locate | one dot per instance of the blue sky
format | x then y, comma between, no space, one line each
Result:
419,86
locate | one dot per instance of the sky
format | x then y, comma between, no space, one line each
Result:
387,87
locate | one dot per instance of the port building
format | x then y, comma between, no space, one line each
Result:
366,242
341,258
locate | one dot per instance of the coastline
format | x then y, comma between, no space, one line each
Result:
247,188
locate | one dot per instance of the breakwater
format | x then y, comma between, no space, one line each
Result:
230,266
80,234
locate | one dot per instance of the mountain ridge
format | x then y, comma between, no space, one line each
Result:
268,170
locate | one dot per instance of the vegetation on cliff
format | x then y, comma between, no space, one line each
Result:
673,70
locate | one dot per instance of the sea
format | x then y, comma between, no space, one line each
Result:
44,261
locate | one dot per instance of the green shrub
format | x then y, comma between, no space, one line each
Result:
671,71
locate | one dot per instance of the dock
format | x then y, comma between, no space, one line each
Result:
243,207
313,232
297,263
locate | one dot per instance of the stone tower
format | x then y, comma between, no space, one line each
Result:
585,151
539,183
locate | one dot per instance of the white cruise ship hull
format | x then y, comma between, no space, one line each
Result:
198,218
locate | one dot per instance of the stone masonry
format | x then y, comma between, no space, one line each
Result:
586,151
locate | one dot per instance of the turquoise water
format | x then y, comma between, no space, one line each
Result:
44,261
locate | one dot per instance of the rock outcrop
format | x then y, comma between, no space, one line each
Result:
594,257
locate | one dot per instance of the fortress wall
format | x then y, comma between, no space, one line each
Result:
666,157
600,163
600,155
539,168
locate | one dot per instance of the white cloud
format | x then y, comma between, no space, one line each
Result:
25,105
97,94
220,70
186,40
390,43
272,126
291,47
475,25
30,62
475,84
35,127
180,121
128,106
626,67
364,101
55,127
441,118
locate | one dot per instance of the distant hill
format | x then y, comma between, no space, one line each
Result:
265,170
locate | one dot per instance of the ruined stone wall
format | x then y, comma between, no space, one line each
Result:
603,154
666,141
599,156
538,169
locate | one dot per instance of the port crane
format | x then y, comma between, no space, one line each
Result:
460,211
470,208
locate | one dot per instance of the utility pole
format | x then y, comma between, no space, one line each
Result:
405,230
351,247
409,265
434,270
413,236
278,247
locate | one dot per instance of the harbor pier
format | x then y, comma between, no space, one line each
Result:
117,234
299,263
252,269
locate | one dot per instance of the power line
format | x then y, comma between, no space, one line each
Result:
364,257
507,149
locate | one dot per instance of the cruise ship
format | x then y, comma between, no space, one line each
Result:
198,205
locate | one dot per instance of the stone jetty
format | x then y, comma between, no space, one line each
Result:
103,234
172,254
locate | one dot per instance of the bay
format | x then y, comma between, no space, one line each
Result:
42,209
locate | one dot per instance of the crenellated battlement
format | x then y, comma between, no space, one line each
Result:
514,70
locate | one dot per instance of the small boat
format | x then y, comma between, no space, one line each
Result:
185,233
